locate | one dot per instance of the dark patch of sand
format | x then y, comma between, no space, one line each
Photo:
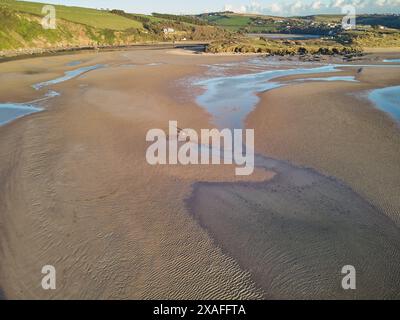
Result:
295,233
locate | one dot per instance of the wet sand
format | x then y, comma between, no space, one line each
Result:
296,232
335,129
77,193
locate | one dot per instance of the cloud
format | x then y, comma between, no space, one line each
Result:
274,7
337,3
293,7
316,5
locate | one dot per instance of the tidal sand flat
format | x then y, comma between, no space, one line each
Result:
295,233
333,128
76,190
175,157
12,111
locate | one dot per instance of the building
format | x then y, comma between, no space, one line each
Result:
168,30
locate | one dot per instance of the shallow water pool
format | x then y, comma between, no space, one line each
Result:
12,111
230,99
387,100
68,75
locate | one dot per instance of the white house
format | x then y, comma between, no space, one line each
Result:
168,30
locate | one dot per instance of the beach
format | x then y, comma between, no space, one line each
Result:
76,191
340,133
74,194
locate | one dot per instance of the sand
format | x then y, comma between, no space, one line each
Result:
77,193
296,232
333,128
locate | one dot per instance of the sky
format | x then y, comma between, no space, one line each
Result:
271,7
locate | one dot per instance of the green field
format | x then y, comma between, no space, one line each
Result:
91,17
314,24
232,22
326,18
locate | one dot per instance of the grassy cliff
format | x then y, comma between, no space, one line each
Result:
90,17
21,30
24,31
371,38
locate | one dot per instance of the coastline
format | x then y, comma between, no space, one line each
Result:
29,53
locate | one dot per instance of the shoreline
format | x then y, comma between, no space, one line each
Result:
22,54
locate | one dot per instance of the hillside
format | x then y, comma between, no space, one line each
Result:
385,20
90,17
21,30
333,39
315,24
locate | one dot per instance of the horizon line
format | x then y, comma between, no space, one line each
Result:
208,12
